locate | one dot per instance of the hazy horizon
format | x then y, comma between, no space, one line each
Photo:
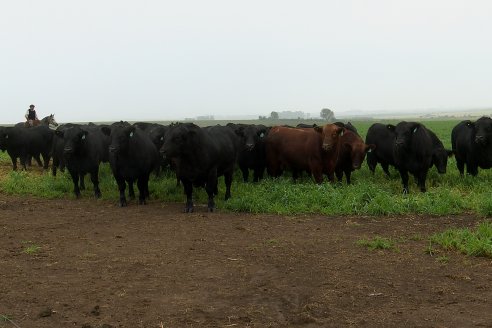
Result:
162,60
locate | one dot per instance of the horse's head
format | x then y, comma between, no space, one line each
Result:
51,120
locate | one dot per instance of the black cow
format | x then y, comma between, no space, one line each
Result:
84,148
58,160
201,156
412,152
252,153
439,153
348,126
383,137
472,145
132,157
305,126
145,126
22,143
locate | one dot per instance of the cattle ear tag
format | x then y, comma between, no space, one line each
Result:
414,130
370,150
83,137
262,135
6,136
162,138
131,134
341,134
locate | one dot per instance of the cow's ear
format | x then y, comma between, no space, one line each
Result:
370,148
469,123
415,128
390,127
450,152
106,130
59,133
318,129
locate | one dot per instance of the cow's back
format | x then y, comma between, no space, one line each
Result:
222,145
293,147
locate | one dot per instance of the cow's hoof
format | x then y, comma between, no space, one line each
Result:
142,202
123,204
97,194
211,209
188,210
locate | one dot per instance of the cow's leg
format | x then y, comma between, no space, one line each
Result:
141,184
404,180
245,172
46,160
188,189
258,174
211,189
54,166
131,191
228,182
385,167
121,187
75,180
371,162
317,173
347,176
331,176
95,182
460,164
472,169
339,175
82,182
14,162
22,160
422,177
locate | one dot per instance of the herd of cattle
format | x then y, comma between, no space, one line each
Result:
199,155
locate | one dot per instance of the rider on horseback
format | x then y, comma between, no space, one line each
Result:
31,116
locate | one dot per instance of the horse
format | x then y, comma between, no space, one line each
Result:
48,120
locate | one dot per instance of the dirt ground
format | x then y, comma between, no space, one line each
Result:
99,265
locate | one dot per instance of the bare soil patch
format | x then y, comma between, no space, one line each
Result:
98,265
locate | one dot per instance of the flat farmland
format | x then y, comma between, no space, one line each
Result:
277,254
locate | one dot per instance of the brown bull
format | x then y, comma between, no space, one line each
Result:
353,150
312,150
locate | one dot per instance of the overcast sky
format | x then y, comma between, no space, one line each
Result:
148,60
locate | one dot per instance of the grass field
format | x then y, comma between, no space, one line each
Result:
368,195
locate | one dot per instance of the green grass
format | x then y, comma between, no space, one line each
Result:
377,242
30,248
5,318
370,194
473,242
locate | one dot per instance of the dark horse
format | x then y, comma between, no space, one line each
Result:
48,120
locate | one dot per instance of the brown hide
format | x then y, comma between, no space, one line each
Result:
353,150
312,150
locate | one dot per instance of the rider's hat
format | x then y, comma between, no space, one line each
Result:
31,106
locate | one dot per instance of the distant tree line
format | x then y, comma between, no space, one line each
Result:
326,114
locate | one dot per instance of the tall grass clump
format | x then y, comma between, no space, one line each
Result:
473,242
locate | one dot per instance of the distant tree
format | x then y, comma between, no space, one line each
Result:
274,115
327,114
262,118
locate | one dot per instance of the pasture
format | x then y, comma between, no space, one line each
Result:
277,254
